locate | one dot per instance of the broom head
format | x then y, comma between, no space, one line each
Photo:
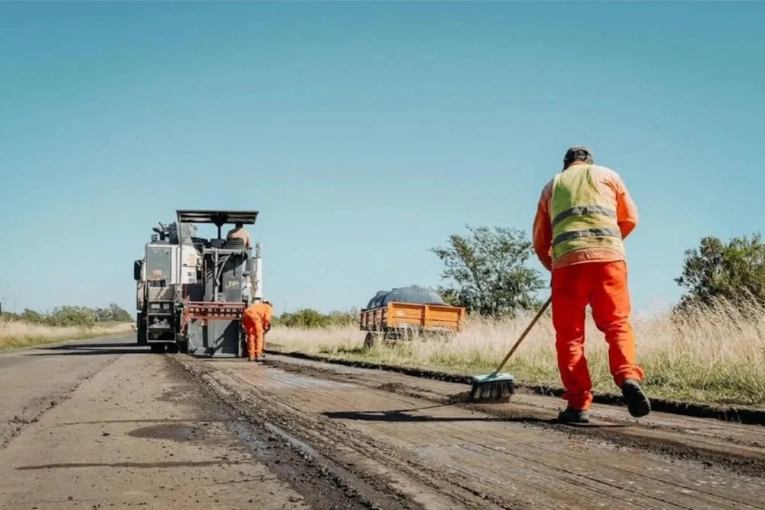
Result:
495,387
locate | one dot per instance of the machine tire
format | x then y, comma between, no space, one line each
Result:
172,348
141,335
158,348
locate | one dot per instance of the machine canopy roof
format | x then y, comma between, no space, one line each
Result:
217,218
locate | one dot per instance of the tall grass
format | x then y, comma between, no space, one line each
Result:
712,355
16,334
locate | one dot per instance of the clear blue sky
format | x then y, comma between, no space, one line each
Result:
365,133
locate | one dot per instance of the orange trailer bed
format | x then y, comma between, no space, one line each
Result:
412,316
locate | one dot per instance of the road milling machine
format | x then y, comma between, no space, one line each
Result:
192,291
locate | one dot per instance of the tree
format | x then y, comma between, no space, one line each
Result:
715,270
304,318
487,273
80,316
32,317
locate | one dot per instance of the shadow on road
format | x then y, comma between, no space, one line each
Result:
157,420
135,465
85,345
404,415
92,349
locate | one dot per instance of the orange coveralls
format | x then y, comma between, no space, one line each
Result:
594,276
256,319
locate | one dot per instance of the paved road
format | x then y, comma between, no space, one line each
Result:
108,425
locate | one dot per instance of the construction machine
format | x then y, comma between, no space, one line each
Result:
192,291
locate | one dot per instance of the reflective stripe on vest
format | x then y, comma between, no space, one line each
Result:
582,216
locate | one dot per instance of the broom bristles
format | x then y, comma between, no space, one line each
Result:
492,391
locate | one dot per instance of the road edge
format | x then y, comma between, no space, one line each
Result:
59,342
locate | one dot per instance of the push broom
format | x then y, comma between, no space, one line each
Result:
496,386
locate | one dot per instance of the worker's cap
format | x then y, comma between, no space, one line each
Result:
578,152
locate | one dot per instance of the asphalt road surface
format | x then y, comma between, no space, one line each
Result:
106,424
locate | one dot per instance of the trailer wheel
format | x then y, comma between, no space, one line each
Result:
370,340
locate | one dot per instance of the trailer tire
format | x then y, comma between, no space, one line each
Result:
370,340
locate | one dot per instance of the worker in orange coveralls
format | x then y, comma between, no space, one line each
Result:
257,322
583,215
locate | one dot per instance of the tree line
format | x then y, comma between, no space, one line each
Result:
78,316
486,270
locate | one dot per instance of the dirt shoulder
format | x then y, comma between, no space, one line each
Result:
418,439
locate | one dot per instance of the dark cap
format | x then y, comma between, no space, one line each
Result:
578,153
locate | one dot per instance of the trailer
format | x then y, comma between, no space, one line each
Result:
405,312
192,291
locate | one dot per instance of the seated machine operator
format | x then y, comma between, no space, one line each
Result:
238,232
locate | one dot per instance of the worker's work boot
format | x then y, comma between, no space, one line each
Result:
259,358
570,415
638,403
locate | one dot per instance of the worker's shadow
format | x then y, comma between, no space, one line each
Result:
413,416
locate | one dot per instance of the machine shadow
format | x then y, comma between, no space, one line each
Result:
86,345
102,352
92,349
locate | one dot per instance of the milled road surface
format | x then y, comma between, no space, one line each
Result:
109,425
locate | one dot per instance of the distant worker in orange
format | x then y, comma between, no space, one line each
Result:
257,322
238,232
584,214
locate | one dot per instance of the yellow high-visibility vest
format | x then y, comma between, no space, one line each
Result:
582,217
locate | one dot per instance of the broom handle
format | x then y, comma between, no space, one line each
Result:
523,335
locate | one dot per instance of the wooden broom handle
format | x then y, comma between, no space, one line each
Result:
525,332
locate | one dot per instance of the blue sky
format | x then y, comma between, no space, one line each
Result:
365,133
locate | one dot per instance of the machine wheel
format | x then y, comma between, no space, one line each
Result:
141,330
158,348
172,348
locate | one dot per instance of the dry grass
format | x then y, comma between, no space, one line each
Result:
715,356
14,335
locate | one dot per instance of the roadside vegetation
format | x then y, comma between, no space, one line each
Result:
30,327
709,348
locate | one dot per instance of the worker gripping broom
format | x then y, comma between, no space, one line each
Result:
583,216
